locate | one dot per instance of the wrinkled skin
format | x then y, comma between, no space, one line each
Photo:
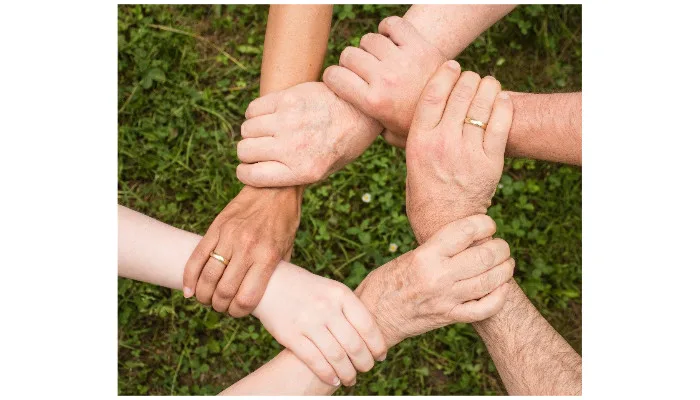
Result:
443,281
255,231
300,136
453,168
385,76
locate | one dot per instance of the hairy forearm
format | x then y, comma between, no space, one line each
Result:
546,127
531,357
451,28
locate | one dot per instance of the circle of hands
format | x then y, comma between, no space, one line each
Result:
398,85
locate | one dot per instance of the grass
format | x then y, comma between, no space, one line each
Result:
186,76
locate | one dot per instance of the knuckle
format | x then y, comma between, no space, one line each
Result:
202,298
365,366
376,99
503,247
463,92
433,94
366,39
210,275
480,105
289,98
486,256
246,300
346,55
389,79
336,355
226,291
391,23
491,81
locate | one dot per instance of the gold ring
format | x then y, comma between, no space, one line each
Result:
475,122
219,258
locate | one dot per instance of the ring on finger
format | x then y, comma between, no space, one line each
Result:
219,258
475,122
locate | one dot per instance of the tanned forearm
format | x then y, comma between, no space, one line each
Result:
296,39
531,357
546,127
451,28
295,44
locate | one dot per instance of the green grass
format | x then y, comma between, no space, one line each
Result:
182,95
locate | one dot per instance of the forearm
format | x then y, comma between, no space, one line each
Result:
531,357
451,28
151,251
546,127
283,375
296,38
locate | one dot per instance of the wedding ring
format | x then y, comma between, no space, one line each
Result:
219,258
475,122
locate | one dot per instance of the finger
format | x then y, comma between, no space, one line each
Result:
360,62
477,310
262,105
252,289
366,326
213,270
258,149
263,125
378,45
267,174
480,110
334,354
352,343
310,355
459,101
400,31
481,285
479,258
196,262
497,130
434,97
458,235
230,281
394,139
347,85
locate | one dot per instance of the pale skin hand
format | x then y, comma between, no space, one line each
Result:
318,319
531,357
300,136
447,159
385,76
264,220
448,279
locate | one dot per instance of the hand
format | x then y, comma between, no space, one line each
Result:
453,167
254,231
441,282
322,322
385,76
300,136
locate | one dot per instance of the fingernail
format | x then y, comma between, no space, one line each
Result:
188,292
353,382
503,95
336,382
454,65
382,357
